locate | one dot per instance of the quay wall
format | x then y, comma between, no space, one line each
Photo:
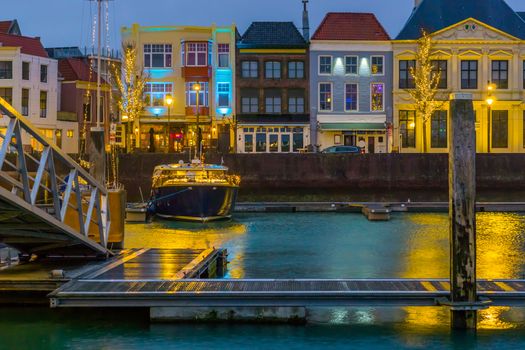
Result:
389,172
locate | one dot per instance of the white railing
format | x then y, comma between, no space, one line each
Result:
50,179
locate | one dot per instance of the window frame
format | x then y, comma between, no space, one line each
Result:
356,94
331,65
498,145
296,104
443,77
250,69
204,91
223,53
28,65
499,71
226,92
149,92
196,52
331,97
372,97
410,83
44,73
8,70
382,65
410,115
273,70
442,140
43,111
356,65
27,99
5,95
273,97
469,70
295,62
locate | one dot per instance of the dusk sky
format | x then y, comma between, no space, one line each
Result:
67,23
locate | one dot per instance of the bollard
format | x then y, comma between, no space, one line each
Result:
462,212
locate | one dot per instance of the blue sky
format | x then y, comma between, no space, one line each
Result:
67,22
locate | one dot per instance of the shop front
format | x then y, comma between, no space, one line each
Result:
273,138
156,137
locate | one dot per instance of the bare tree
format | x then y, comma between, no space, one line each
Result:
426,76
131,82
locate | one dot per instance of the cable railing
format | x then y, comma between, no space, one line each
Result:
51,180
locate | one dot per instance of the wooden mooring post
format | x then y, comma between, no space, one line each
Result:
462,212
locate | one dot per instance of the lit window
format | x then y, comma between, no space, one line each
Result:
43,104
155,93
377,65
70,133
351,97
325,97
223,92
378,97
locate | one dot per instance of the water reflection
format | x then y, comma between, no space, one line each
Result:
327,245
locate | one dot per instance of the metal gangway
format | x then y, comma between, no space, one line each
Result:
49,205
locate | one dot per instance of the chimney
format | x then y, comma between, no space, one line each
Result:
417,3
306,22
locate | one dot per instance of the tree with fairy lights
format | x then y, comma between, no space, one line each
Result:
426,75
130,82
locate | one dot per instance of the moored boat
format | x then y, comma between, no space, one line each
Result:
193,192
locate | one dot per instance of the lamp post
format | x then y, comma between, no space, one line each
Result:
197,89
169,102
490,102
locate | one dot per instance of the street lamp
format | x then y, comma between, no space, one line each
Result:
490,101
197,89
169,102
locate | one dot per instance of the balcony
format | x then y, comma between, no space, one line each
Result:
192,73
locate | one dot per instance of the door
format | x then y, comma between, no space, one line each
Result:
371,144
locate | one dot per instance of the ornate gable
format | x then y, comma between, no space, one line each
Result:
472,29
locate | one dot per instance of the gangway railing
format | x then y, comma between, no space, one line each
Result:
51,181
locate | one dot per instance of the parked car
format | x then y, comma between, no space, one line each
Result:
343,149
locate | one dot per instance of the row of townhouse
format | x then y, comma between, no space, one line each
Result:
275,89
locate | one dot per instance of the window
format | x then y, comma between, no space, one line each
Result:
440,66
224,55
351,65
296,101
325,97
43,73
260,142
500,74
155,93
407,128
43,104
250,105
378,65
250,69
70,133
274,142
223,92
351,97
248,143
25,70
7,94
272,100
438,129
285,143
157,55
296,70
272,70
196,54
249,101
469,74
6,70
298,139
378,101
191,95
325,65
406,80
500,129
25,102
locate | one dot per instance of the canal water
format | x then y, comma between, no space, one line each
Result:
304,245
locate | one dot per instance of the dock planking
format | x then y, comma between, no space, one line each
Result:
276,293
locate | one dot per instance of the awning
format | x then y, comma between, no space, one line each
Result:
352,126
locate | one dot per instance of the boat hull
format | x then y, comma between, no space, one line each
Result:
194,203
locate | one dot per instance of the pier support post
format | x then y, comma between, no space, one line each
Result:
462,212
97,155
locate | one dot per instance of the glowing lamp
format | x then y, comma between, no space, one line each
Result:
197,87
490,101
412,125
169,100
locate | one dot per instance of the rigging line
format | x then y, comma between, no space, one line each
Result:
82,25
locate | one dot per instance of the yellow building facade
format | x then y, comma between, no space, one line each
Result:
474,58
178,60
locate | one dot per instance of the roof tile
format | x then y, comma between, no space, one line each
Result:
350,26
272,35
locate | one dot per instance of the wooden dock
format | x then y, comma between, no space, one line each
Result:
20,283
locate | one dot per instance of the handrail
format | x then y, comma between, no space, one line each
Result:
79,181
